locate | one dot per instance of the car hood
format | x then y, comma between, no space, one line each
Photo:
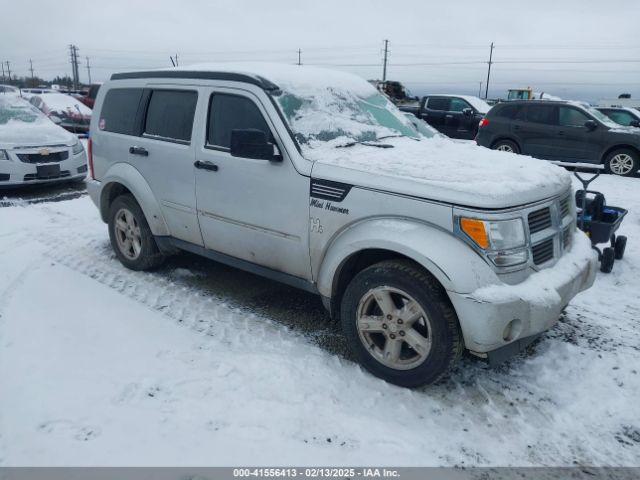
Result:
42,131
442,170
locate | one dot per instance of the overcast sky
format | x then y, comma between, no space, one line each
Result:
434,45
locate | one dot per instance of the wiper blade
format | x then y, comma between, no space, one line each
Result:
368,144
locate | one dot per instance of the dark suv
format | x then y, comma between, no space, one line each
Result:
562,131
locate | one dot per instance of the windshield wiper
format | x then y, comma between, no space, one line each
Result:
367,144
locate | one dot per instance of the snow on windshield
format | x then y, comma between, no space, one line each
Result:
339,116
16,109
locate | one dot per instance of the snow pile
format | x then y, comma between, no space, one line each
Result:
541,288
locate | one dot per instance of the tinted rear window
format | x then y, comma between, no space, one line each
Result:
170,114
508,111
119,110
541,114
435,103
232,112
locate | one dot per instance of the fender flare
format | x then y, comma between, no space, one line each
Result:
127,176
454,263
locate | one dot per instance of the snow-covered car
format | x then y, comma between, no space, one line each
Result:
422,247
64,110
27,93
35,150
9,90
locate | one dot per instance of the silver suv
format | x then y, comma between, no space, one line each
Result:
421,247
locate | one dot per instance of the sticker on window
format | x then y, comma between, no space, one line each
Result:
101,124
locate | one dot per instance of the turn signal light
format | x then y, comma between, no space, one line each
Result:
476,230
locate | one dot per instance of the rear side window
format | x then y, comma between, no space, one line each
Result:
233,112
170,114
571,117
508,111
541,114
438,103
119,111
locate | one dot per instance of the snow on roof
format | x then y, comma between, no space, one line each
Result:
62,102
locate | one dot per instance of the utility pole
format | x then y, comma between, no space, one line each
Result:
177,59
33,82
480,90
8,63
73,50
2,63
486,92
384,64
88,70
299,57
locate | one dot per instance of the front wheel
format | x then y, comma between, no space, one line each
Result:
506,146
623,162
400,324
130,235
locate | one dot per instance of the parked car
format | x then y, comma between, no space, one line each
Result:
29,92
35,150
9,90
420,246
90,98
561,131
629,117
64,110
457,116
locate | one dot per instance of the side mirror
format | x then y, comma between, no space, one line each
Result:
634,123
591,125
468,112
252,143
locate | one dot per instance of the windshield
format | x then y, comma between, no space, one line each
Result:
337,117
602,117
19,111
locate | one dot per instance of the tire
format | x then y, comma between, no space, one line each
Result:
434,329
142,252
622,162
506,146
607,260
620,247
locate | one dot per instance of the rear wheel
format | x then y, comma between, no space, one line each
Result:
506,146
130,235
623,162
400,324
620,246
607,260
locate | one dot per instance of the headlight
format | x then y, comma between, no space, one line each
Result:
77,148
503,241
4,155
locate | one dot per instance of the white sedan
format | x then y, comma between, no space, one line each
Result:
35,150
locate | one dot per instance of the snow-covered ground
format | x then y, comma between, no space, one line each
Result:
103,366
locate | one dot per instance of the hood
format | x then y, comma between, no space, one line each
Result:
442,170
40,132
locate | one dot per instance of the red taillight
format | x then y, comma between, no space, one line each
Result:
483,123
90,159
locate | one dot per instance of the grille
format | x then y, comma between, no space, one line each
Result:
4,177
542,252
38,158
34,176
539,220
565,207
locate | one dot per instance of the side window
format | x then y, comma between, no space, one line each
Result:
170,114
438,103
458,105
540,114
621,117
119,109
232,112
571,117
510,111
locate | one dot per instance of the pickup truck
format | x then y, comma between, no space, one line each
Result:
421,247
457,116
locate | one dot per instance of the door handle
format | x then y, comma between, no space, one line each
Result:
561,133
516,127
139,151
212,167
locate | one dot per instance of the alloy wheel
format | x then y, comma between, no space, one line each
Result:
621,164
128,235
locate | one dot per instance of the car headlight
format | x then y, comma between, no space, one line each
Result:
4,155
503,241
77,148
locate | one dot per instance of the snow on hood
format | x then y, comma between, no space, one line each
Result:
441,169
21,124
59,102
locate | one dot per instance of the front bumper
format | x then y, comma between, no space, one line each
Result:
500,315
16,173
